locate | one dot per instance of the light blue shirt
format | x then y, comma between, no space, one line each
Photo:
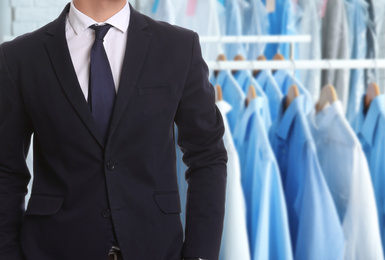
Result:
281,22
346,172
245,80
358,18
267,222
315,229
232,94
234,28
379,23
370,128
181,169
274,94
255,22
310,24
285,79
376,12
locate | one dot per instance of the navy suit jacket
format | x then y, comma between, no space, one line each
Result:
84,188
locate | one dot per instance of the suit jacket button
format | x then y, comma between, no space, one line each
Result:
110,166
106,213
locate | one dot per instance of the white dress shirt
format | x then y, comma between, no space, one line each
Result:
346,172
80,39
235,244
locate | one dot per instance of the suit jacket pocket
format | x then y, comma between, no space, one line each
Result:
159,89
168,201
43,205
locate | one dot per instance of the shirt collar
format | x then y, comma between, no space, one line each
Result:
376,109
222,76
325,117
80,22
286,117
242,76
262,77
280,76
254,107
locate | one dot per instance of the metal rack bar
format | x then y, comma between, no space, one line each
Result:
255,39
297,64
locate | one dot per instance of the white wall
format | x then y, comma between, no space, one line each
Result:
5,19
18,17
29,15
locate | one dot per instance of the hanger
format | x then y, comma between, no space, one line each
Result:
371,93
218,93
292,93
327,96
221,57
278,56
251,94
239,57
260,58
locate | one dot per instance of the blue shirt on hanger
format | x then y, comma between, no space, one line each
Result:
315,229
274,94
346,172
181,169
232,94
372,49
309,24
281,22
370,127
358,17
245,80
255,22
267,222
234,27
285,79
379,23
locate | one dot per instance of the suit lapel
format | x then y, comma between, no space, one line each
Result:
137,43
57,48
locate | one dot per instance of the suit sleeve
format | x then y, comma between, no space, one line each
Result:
200,133
15,137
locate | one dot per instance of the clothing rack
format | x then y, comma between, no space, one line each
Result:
298,64
291,39
286,64
256,39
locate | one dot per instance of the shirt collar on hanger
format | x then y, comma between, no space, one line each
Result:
263,76
255,107
280,76
376,109
325,117
286,117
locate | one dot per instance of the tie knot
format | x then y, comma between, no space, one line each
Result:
100,31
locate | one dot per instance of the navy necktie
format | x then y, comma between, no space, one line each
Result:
102,93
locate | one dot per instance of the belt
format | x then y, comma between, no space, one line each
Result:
114,253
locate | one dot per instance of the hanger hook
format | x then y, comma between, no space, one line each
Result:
294,69
375,69
329,72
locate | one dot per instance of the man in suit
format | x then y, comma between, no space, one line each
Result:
101,88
